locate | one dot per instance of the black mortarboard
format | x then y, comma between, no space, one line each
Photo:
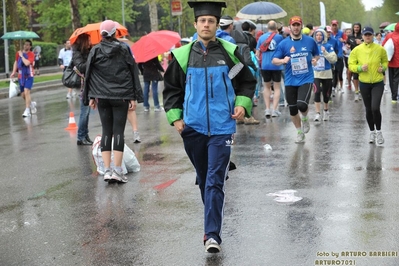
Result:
207,8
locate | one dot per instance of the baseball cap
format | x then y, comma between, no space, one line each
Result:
306,31
334,22
367,30
225,21
108,27
295,19
328,29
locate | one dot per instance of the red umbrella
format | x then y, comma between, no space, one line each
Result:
384,24
94,31
154,44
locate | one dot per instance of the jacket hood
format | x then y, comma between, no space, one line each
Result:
324,33
239,36
397,27
110,48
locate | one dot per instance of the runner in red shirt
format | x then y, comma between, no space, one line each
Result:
24,63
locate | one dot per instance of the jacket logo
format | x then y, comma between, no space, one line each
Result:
221,62
303,49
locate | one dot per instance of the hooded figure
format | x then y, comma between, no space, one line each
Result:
327,56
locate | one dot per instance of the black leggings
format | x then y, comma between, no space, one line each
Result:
372,94
113,115
338,70
322,85
298,97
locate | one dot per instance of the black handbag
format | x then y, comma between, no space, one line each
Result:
72,78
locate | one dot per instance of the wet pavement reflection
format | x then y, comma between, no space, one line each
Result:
330,200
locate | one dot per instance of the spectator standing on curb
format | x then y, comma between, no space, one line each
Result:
64,58
202,104
151,71
112,85
81,49
37,51
299,54
24,61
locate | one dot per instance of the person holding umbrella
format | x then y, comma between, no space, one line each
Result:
207,88
24,62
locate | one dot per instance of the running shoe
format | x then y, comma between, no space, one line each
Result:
136,137
326,115
380,138
211,246
268,113
107,175
276,113
26,113
300,138
158,109
33,109
305,125
372,137
119,177
317,118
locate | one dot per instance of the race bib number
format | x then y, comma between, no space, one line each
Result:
299,65
321,64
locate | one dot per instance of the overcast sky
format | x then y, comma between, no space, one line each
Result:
369,4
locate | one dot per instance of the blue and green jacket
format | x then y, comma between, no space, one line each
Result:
198,88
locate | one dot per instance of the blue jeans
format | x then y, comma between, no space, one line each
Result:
83,127
154,87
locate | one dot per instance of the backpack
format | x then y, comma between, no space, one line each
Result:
265,45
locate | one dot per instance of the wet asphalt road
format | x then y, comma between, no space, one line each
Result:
56,210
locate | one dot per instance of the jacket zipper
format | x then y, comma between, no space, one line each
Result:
189,95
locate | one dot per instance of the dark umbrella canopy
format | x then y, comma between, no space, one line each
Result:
261,11
384,24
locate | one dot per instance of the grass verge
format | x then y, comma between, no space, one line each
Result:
4,84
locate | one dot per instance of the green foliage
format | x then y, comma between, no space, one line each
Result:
48,55
57,15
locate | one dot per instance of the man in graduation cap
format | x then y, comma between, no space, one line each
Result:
207,88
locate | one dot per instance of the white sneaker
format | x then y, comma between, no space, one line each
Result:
372,137
317,117
26,113
326,115
275,113
305,125
69,96
380,138
136,137
300,138
74,93
107,175
211,246
268,113
33,109
158,109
